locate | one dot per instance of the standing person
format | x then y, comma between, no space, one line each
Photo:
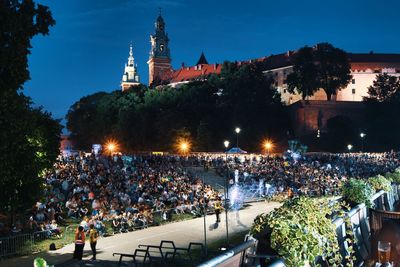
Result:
79,243
217,208
93,235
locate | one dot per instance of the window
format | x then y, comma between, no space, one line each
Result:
353,91
284,81
284,91
353,81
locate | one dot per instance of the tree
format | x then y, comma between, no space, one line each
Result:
333,68
386,88
82,118
302,79
207,110
20,20
29,136
323,66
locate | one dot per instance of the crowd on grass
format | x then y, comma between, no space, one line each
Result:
132,192
127,192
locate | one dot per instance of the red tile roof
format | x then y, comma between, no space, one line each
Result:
197,72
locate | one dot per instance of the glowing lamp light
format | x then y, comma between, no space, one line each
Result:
237,130
226,143
111,146
184,147
349,147
362,135
267,145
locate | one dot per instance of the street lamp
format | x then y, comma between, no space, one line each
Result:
268,145
362,135
226,144
349,147
237,130
111,146
184,147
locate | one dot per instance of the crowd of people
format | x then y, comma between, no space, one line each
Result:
129,192
314,174
136,191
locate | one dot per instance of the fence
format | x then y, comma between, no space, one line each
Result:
22,244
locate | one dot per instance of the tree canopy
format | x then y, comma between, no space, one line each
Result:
323,66
386,88
206,112
29,136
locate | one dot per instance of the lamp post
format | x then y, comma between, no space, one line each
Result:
268,145
111,146
362,135
204,215
237,130
226,144
184,147
349,147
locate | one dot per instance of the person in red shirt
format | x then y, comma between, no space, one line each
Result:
79,243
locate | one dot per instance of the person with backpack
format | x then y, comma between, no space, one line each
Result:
93,235
79,243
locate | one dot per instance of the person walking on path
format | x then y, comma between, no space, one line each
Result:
93,235
79,243
217,208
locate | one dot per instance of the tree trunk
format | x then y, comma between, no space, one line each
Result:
328,96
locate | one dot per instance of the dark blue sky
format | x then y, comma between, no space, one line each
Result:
88,47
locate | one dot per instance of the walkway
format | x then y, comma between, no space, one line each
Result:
180,232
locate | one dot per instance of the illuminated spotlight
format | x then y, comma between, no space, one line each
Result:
349,147
362,135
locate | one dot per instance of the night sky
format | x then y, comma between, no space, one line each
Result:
88,47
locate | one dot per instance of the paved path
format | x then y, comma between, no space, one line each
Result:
180,232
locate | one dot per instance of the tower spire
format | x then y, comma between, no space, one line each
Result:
130,50
160,59
130,76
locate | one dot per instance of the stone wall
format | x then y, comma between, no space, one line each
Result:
309,116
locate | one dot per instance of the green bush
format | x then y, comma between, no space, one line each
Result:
300,230
358,191
394,176
379,182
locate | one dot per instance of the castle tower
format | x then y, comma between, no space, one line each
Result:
130,77
160,59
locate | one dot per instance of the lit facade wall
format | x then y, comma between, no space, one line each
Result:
354,91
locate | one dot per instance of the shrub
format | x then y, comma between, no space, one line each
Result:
394,176
301,230
379,182
358,191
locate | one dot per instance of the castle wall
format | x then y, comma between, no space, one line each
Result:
307,117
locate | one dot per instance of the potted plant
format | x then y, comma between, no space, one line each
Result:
300,231
379,182
357,191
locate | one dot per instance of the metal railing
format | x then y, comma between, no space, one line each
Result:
359,224
19,244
